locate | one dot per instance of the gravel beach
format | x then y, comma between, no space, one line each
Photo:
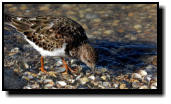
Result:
125,36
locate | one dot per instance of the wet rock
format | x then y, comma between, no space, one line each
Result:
12,81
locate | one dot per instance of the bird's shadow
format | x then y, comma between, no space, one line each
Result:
126,56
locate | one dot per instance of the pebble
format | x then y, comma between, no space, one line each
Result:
62,83
108,32
35,86
122,86
48,81
137,26
92,77
103,77
116,85
136,76
153,87
151,69
135,84
14,51
47,86
73,61
143,73
106,84
154,84
143,87
78,77
147,78
84,80
59,63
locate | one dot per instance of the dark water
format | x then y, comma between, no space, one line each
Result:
128,56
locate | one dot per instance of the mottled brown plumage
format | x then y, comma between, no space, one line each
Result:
51,33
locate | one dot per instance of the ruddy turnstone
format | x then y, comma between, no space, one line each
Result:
55,36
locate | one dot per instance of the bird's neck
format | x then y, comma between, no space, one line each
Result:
82,49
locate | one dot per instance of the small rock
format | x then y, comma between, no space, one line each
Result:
143,73
47,86
136,76
35,86
78,77
59,63
135,84
48,81
103,77
138,26
97,20
62,83
147,78
106,84
14,51
92,77
108,32
73,61
84,80
154,84
26,65
143,87
153,87
151,69
115,85
122,86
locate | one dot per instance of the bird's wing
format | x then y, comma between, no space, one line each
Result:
49,32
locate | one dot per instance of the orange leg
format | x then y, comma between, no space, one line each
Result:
66,67
42,64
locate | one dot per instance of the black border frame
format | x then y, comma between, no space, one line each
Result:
158,91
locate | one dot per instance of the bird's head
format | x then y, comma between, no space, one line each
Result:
88,55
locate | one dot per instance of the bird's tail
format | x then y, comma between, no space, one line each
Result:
16,22
8,17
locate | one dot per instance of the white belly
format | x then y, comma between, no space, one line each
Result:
55,52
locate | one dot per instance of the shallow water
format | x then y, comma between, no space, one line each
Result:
129,56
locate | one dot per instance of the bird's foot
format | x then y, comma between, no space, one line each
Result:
43,70
68,68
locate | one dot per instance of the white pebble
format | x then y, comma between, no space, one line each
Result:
62,83
48,80
143,73
48,86
92,77
136,76
15,50
143,87
154,84
116,85
153,87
